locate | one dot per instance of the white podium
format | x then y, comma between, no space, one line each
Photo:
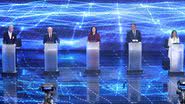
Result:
51,57
92,58
176,59
135,58
9,58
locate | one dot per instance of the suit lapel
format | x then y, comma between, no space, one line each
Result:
133,34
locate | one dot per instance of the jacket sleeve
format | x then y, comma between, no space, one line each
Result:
88,38
128,37
15,39
57,38
140,37
44,39
99,38
4,38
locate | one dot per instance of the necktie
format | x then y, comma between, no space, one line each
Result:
134,32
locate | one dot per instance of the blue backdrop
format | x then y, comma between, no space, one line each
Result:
72,19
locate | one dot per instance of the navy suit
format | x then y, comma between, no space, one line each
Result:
8,40
131,36
53,39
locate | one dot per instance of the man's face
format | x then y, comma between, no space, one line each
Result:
133,27
50,30
10,29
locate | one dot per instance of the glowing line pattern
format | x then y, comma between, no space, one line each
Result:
72,21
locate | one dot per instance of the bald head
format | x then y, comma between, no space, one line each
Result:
10,28
50,30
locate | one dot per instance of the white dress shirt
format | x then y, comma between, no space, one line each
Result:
10,34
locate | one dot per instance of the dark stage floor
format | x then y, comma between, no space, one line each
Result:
112,86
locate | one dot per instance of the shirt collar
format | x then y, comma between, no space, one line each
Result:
9,32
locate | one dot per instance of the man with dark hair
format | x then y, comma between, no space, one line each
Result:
133,35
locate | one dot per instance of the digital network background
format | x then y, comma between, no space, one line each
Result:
72,20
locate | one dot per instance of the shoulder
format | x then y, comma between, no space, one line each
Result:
89,34
138,31
54,33
14,34
98,34
5,33
169,38
129,31
45,35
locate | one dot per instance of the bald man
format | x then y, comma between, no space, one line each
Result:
9,37
50,37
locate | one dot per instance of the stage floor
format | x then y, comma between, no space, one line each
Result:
112,86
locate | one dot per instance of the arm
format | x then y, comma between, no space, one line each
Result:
44,39
4,38
140,38
128,37
169,42
178,40
88,39
57,38
99,38
15,38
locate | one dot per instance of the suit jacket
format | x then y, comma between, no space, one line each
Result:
8,40
94,38
131,36
53,39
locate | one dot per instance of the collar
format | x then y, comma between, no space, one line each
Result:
9,32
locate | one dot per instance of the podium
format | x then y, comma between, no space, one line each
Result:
92,58
9,58
135,58
51,57
176,59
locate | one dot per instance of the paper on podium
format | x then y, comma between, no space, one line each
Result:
51,57
176,58
92,60
9,58
135,56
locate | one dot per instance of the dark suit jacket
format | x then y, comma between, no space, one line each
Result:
7,40
94,38
53,39
131,36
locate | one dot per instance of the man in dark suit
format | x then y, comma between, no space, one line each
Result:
50,37
133,35
9,37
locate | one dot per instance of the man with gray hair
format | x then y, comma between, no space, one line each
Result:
9,37
51,37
